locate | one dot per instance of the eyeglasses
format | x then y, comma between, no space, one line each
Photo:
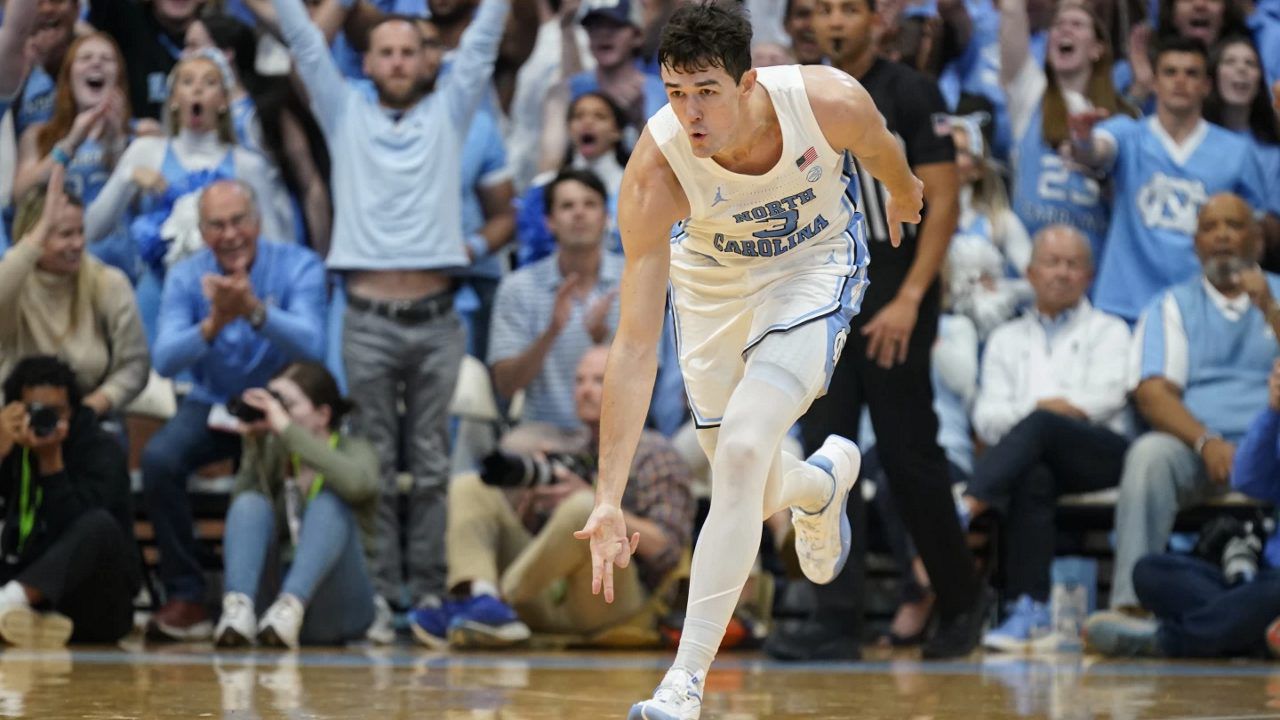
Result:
237,222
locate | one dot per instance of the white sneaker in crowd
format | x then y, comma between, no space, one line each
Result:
238,625
282,623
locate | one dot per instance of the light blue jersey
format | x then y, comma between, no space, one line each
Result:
1159,188
87,175
36,104
1048,191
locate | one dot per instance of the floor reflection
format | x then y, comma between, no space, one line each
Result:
192,682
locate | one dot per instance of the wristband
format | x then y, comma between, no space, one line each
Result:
478,246
60,156
1204,440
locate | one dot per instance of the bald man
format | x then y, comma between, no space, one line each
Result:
232,315
1199,369
1050,408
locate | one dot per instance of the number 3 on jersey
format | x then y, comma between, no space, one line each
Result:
1060,183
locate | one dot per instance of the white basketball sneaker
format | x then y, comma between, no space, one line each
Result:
678,697
238,625
823,537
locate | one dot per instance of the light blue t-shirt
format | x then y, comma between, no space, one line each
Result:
1159,188
37,101
396,176
484,163
1046,191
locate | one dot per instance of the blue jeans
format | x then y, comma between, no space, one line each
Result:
328,573
1200,615
182,445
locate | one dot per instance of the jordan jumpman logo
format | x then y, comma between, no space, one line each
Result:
719,198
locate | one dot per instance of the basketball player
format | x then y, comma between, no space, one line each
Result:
766,267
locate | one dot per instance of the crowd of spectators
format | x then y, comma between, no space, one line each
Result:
255,209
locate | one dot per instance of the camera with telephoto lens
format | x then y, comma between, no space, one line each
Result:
1233,544
513,470
42,419
247,413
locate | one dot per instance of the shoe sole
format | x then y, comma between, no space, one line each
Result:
268,637
640,712
465,634
846,531
26,628
231,638
1005,644
196,633
432,641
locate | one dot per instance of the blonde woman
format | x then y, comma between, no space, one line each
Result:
59,302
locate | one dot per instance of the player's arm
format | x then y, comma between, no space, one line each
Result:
850,121
651,201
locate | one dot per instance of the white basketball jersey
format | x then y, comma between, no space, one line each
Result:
803,211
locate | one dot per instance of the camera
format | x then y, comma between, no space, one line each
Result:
1233,544
512,470
247,413
42,419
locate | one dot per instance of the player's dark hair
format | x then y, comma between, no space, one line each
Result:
42,371
586,177
1179,44
708,34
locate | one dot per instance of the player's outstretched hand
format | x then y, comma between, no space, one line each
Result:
606,529
904,209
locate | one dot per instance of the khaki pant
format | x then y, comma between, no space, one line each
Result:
547,577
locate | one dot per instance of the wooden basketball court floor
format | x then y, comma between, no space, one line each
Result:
403,682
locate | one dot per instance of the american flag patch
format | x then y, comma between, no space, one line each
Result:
807,158
941,124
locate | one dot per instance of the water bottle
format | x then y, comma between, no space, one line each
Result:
1073,597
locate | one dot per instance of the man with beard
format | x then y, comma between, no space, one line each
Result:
887,365
151,35
1203,350
397,233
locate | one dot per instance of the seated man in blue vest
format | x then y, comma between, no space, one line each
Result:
1202,353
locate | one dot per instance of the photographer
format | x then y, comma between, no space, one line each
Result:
68,562
510,541
1219,605
306,493
232,316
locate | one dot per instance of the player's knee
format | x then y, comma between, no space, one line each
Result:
742,452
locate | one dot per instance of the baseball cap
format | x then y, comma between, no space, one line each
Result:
613,12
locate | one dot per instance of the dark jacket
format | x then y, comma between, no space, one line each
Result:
95,475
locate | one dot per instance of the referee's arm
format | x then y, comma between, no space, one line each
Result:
932,157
